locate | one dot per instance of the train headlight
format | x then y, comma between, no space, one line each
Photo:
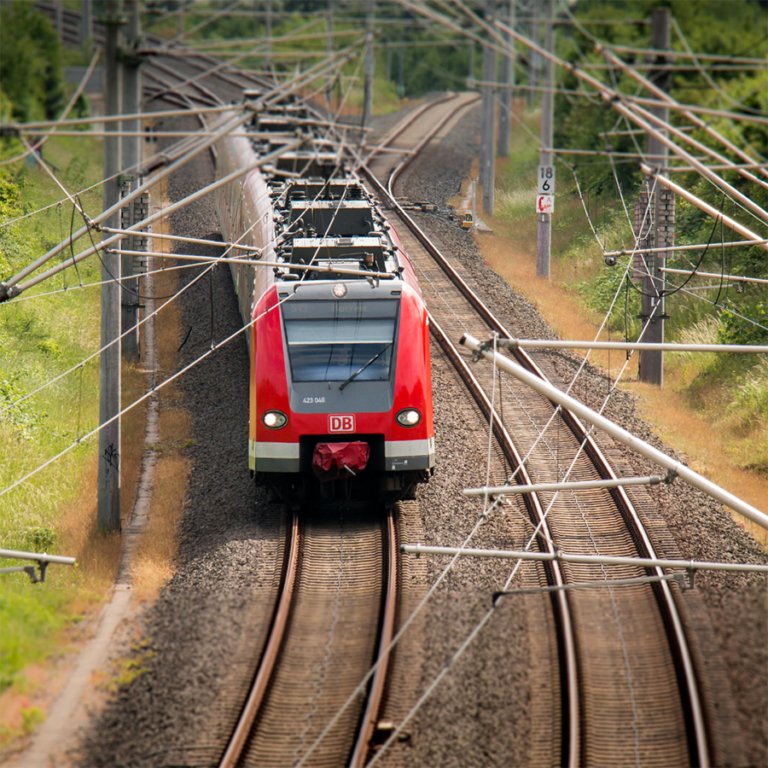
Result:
409,417
274,419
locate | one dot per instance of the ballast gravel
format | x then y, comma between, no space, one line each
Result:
211,615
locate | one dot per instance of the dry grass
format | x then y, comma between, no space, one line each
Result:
97,552
156,550
158,543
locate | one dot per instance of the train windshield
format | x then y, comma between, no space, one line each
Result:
331,340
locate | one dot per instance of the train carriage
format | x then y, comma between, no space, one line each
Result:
340,388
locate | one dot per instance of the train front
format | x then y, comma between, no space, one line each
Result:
341,390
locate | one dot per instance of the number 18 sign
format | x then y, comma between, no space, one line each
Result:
545,199
546,180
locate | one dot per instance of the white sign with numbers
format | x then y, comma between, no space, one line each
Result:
546,180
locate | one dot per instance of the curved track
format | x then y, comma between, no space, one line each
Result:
631,694
334,611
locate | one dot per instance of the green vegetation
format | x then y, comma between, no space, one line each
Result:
42,336
31,77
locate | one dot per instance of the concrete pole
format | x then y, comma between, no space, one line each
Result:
59,6
544,236
329,52
388,70
109,374
651,366
369,66
534,57
487,143
86,21
471,67
131,157
506,92
268,35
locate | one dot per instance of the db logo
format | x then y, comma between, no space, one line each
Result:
341,423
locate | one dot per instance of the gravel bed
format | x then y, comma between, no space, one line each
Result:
729,612
210,617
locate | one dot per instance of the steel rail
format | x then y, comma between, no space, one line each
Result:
271,652
378,682
403,125
688,684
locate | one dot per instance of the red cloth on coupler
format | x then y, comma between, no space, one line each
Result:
333,461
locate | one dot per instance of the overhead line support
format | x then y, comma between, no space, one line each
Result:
544,224
109,455
662,230
487,143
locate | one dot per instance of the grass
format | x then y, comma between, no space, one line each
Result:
40,338
714,409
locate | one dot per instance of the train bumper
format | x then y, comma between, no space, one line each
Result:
398,455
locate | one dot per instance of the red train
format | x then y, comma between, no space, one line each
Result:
341,392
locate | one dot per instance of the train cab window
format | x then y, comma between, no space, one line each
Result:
331,340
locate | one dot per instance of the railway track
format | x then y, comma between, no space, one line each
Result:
614,710
630,694
335,611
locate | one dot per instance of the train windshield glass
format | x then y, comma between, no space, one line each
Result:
331,340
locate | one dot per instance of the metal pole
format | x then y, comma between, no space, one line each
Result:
86,21
487,143
651,366
644,562
544,235
506,93
368,88
620,434
131,158
109,373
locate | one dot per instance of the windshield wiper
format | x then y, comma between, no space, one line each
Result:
360,370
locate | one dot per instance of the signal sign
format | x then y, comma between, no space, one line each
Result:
341,423
545,203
